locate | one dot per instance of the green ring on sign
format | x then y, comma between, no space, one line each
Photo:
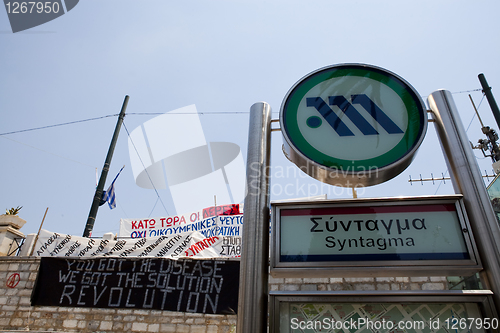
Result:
414,108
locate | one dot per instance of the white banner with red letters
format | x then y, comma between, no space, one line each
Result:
223,221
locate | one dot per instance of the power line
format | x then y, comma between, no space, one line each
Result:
466,91
152,210
145,169
128,114
48,152
161,113
68,123
457,92
200,113
474,114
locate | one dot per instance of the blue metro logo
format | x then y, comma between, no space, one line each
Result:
352,113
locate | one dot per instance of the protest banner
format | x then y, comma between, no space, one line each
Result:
215,221
191,244
185,285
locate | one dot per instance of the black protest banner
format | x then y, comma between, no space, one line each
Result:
202,286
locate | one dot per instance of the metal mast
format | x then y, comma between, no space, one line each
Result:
102,181
490,98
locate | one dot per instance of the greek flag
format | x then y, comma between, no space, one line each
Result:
109,195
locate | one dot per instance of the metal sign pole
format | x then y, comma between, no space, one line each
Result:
467,180
254,264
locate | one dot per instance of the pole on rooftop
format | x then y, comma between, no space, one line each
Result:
104,173
38,233
490,98
253,291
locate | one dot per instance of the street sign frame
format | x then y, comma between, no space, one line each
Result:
336,145
444,266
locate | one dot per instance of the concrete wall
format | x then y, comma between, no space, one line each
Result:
18,275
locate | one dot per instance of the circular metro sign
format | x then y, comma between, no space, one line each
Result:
352,124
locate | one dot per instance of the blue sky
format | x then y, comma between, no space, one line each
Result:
222,56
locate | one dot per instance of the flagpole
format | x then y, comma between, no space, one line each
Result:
38,234
102,180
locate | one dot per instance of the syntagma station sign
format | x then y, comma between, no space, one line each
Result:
373,237
352,124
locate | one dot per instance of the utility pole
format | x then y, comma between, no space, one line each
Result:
102,181
490,98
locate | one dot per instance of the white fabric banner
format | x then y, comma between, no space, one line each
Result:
185,245
224,220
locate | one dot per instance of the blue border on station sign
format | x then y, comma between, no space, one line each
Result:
374,257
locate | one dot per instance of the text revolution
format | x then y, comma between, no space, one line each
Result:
202,286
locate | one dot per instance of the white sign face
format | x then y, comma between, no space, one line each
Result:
373,237
429,232
369,139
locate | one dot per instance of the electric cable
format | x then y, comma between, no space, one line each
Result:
200,113
466,91
145,169
48,152
152,210
56,125
158,113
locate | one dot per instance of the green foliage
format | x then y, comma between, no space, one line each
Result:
13,211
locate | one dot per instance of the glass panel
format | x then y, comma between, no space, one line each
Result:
380,317
494,193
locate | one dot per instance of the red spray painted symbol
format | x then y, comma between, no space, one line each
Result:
13,280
